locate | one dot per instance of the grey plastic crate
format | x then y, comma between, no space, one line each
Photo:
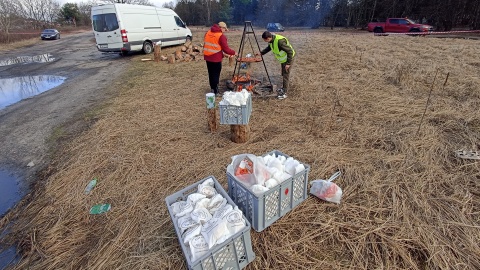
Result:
273,204
236,115
234,253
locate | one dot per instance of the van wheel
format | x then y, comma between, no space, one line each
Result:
147,47
189,38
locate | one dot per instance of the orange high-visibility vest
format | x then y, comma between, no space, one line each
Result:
211,43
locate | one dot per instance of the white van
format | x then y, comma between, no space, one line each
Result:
127,28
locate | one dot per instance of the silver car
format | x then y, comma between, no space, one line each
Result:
50,34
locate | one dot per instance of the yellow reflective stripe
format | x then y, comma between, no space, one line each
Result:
281,57
210,50
212,44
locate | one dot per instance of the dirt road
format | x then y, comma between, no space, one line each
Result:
26,125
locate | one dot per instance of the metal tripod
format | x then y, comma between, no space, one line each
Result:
260,87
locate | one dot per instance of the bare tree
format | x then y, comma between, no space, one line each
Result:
85,10
52,11
37,10
8,14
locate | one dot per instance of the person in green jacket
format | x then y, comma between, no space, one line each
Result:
284,53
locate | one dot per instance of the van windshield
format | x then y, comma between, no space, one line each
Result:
105,22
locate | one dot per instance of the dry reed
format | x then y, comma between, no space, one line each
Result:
354,105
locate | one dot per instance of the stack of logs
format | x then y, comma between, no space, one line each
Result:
187,53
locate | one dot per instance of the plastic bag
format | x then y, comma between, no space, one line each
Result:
255,171
326,189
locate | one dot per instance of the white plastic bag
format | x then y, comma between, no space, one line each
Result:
260,173
326,189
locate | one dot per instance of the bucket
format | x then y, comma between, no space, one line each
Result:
210,98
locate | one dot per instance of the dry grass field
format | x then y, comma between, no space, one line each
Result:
388,112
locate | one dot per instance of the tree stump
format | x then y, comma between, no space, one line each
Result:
240,133
156,53
212,120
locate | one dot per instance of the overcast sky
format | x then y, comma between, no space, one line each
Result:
157,3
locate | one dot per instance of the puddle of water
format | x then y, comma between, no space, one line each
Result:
13,90
10,194
8,257
42,58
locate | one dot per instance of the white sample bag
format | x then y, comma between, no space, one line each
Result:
216,202
206,188
195,197
191,232
214,230
198,247
201,215
235,221
185,222
222,212
203,203
326,189
181,208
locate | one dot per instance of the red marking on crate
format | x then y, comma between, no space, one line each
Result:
286,191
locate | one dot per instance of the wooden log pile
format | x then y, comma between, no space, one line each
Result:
186,53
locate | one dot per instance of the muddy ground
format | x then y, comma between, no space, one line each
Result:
27,127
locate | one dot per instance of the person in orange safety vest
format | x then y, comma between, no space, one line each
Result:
215,45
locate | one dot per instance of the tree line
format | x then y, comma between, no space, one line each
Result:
442,14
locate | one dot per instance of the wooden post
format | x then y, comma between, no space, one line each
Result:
156,53
212,120
240,133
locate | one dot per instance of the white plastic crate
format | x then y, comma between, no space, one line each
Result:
236,115
273,204
235,253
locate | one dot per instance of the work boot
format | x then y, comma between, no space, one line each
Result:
281,93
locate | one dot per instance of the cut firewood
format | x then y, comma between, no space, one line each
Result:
146,59
178,55
188,43
163,58
189,49
183,48
171,59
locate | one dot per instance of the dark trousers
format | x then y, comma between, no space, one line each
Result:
214,69
285,76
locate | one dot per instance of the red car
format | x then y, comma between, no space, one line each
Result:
398,25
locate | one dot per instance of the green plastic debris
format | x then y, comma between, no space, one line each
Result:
90,186
100,209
